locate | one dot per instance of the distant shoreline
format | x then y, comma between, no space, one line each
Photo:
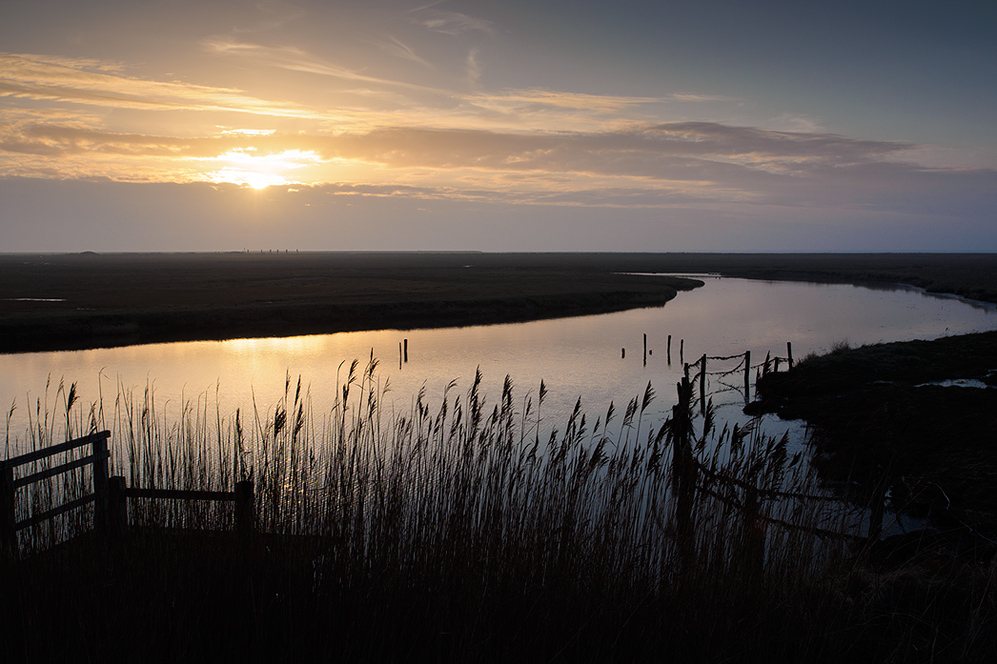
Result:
79,301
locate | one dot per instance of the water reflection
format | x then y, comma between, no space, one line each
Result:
574,356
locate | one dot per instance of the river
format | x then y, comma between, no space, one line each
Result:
596,358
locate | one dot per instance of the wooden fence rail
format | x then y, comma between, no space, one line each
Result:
109,495
9,526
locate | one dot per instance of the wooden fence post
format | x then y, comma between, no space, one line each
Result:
7,513
877,509
682,351
747,376
100,457
645,349
753,538
789,352
245,510
702,384
669,350
117,507
684,474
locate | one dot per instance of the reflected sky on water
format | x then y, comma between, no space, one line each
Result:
576,357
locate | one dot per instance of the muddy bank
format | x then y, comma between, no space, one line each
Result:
75,301
897,411
62,302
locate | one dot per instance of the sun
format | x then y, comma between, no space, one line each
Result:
248,168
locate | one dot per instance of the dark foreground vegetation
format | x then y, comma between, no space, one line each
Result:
469,532
51,302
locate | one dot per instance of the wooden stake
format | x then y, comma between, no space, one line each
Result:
702,384
747,376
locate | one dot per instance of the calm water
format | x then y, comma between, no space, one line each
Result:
576,357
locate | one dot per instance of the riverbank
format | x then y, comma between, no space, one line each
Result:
913,414
66,302
77,301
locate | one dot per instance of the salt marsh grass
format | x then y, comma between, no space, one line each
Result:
462,530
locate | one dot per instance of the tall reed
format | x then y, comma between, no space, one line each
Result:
467,530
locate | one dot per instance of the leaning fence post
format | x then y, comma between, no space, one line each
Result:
789,352
7,514
98,448
245,510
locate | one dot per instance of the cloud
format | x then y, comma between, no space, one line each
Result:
449,22
93,83
473,68
292,58
518,101
396,48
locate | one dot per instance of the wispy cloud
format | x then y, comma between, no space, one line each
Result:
102,84
449,22
514,101
296,59
396,48
473,68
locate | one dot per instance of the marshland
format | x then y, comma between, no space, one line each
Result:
470,518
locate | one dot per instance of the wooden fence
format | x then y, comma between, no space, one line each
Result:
744,367
109,494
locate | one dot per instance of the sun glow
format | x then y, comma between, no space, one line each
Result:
245,167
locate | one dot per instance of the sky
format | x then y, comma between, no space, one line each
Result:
539,125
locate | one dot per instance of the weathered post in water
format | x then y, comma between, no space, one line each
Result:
702,384
789,353
406,350
669,350
747,376
645,349
682,351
